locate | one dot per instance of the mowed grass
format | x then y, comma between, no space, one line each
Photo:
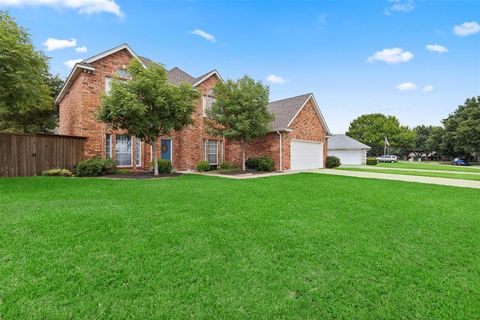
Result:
455,175
428,166
294,246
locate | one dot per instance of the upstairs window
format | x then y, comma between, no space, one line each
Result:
207,102
108,84
123,74
120,74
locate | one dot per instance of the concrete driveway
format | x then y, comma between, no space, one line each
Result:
399,177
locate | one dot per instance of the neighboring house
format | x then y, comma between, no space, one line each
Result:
297,138
350,151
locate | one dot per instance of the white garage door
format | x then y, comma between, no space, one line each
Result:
306,155
349,156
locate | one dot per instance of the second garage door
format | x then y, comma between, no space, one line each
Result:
306,155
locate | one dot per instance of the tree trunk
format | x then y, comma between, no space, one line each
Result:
242,146
155,160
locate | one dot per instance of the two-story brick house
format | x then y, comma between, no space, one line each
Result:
297,139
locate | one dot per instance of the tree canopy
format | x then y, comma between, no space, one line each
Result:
147,105
240,112
371,129
461,135
26,99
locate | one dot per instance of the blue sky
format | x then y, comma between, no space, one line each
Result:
357,57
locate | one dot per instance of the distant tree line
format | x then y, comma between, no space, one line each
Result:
458,136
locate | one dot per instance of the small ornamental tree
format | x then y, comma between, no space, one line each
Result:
147,105
240,112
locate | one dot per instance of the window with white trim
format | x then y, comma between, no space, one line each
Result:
212,152
108,84
123,150
123,74
208,101
108,146
138,152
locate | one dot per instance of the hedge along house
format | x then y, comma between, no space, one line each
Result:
297,138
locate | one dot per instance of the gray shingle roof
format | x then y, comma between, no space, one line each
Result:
177,76
285,109
146,61
343,142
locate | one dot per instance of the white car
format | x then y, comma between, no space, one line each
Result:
388,158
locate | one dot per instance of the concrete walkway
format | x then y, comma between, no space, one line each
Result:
398,177
405,169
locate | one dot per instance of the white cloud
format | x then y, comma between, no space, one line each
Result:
429,88
400,6
275,79
83,6
81,49
436,48
204,35
466,29
55,44
71,63
393,55
407,86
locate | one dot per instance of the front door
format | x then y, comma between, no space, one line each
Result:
166,149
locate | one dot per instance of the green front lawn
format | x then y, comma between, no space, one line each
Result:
428,166
294,246
462,176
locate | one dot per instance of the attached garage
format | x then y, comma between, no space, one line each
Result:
348,150
306,155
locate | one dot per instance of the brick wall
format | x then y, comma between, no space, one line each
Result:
306,126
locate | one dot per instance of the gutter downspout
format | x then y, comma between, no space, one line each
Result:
281,152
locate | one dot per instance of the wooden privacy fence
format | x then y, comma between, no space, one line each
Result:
30,154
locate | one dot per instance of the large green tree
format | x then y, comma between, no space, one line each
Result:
240,112
147,105
462,129
372,129
26,100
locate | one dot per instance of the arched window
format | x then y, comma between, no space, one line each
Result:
123,74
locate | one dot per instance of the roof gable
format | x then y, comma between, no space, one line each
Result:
286,110
114,50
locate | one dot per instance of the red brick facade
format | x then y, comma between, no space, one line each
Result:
78,108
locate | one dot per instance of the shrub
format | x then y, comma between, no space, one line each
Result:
333,162
95,166
265,164
225,165
371,161
164,166
251,163
260,163
57,173
203,166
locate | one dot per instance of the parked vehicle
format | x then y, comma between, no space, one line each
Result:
460,162
388,158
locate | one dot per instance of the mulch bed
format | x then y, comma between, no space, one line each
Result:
141,175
